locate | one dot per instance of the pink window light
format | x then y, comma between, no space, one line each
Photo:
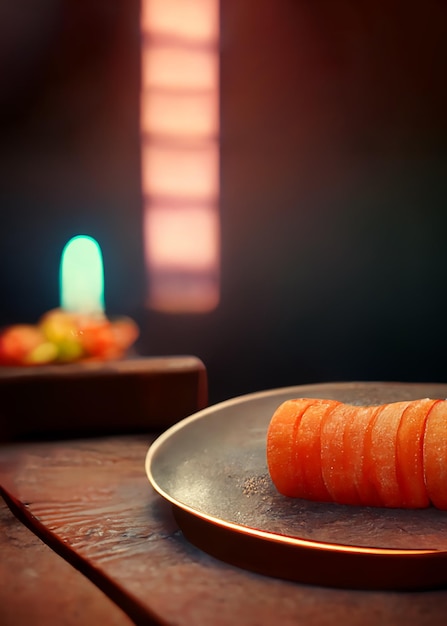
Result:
180,153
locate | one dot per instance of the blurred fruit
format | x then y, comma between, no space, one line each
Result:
125,331
98,341
19,342
61,336
62,329
109,340
43,354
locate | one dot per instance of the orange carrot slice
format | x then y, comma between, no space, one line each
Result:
435,455
339,432
308,450
368,489
393,455
281,446
332,429
380,462
409,459
354,438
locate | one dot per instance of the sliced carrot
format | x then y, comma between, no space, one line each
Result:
380,461
409,459
333,455
393,455
368,489
308,450
354,438
435,455
281,446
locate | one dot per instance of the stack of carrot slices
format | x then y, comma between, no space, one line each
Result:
391,455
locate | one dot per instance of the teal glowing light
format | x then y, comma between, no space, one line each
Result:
82,276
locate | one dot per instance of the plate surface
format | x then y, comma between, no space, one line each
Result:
212,468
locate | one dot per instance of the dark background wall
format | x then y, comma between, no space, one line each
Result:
333,173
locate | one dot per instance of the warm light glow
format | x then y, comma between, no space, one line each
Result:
82,276
195,20
182,238
180,152
178,114
184,292
181,171
166,66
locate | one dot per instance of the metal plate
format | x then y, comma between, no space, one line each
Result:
212,468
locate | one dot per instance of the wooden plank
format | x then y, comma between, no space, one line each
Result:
38,587
111,397
92,502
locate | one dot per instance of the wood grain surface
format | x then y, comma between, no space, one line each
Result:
99,398
38,587
90,501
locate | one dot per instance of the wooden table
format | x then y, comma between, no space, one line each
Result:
85,540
